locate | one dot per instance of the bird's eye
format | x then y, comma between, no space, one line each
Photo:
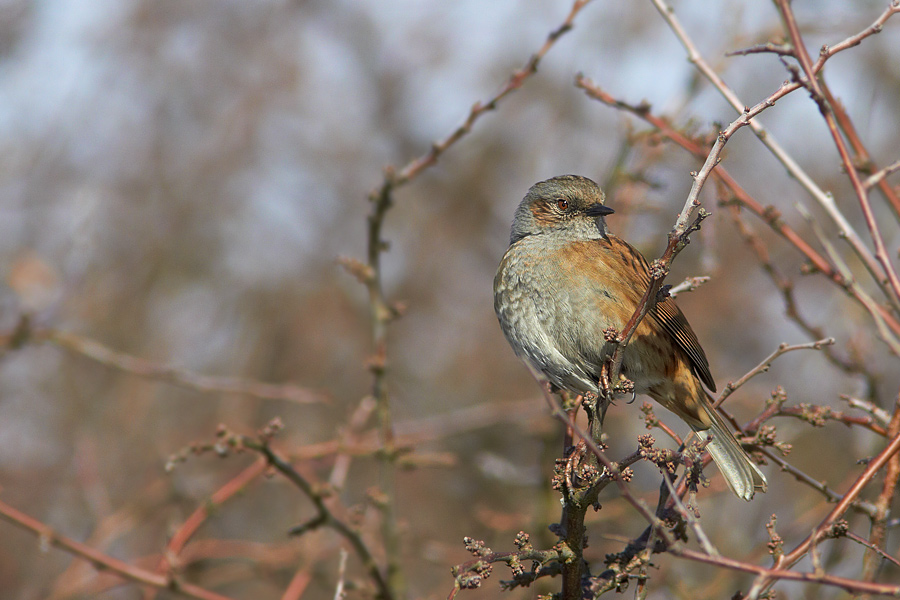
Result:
562,204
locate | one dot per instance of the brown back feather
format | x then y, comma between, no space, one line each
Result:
670,317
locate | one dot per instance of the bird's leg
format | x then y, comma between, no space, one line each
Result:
595,408
570,405
573,463
603,383
626,385
608,391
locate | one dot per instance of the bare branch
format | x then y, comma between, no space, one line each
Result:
142,367
881,255
879,176
688,285
791,558
768,139
102,561
762,367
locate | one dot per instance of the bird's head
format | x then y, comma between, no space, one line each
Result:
568,205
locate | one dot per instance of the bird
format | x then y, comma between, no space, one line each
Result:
565,281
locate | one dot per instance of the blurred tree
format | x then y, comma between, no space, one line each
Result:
184,225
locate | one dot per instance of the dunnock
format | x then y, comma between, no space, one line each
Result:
565,279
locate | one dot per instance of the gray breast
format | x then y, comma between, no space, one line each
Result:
538,315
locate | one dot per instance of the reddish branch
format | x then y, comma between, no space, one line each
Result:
788,560
812,84
885,498
394,179
851,585
169,560
103,561
767,214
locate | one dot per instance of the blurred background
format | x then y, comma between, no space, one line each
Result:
179,179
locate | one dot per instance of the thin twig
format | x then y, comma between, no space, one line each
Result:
705,543
861,506
875,550
884,501
688,285
768,139
190,526
141,367
881,415
339,593
789,559
817,415
325,517
879,176
49,537
767,48
812,83
763,367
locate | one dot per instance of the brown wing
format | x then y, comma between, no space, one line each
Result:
674,321
671,318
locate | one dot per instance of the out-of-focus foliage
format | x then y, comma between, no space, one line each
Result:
178,180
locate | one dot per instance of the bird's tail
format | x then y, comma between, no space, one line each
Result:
740,472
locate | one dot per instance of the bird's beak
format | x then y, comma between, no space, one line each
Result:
598,210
